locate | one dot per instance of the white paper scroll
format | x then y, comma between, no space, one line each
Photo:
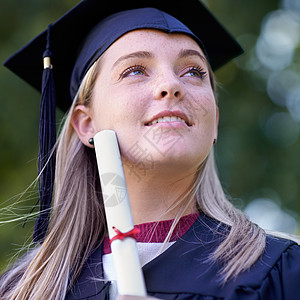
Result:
130,279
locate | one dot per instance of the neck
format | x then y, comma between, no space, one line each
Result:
154,194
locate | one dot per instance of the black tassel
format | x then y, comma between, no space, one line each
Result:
47,139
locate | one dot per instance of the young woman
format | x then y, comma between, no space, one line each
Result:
148,77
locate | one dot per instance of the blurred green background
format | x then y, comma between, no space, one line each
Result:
259,98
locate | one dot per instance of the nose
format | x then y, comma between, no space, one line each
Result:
168,88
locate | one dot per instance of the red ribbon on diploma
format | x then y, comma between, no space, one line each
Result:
121,236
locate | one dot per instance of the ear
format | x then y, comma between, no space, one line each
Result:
81,121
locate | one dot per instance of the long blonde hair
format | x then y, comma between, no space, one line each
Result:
78,221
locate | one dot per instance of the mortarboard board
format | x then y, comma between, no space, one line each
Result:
102,24
68,33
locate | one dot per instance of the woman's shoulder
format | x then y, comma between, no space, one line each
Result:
278,248
185,270
276,273
281,255
281,244
284,253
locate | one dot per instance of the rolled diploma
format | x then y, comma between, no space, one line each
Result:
130,280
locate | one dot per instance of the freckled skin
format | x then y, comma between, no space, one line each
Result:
131,92
143,76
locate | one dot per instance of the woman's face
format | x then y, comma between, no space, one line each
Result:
153,90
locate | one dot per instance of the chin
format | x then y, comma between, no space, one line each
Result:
181,160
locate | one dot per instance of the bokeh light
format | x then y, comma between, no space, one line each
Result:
268,214
278,40
281,84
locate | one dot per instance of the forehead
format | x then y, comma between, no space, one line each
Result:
151,40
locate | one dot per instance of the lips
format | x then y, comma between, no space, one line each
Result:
169,116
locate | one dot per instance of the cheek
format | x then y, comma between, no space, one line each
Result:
200,104
206,112
118,109
209,107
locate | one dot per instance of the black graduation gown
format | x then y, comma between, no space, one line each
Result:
184,272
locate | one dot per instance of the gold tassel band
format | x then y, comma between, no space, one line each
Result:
47,62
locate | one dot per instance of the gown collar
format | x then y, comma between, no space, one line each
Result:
185,267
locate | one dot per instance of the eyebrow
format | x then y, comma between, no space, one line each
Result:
137,54
191,52
146,54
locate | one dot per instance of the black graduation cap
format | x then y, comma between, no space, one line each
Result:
68,33
64,42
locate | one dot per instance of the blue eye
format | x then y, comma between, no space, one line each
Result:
196,72
133,71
